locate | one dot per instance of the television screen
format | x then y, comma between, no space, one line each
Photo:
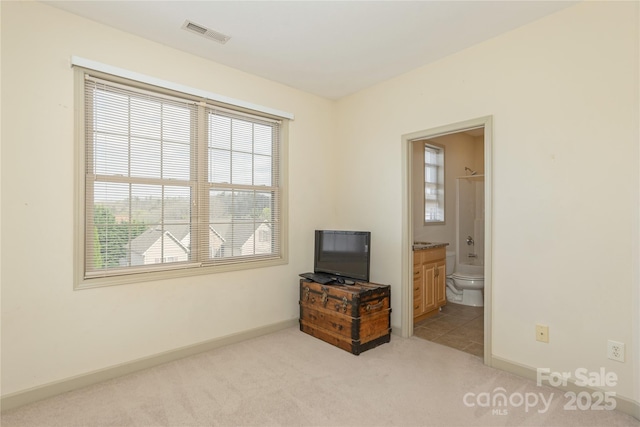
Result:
344,254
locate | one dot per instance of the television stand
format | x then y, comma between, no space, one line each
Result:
354,318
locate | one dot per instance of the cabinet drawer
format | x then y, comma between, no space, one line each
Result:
417,307
430,255
417,290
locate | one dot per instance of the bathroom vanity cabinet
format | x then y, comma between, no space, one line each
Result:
429,281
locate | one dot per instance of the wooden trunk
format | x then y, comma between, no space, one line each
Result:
354,318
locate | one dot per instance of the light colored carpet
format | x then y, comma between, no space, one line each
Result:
291,379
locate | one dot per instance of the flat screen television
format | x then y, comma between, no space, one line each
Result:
343,254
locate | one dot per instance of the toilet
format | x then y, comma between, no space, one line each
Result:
465,283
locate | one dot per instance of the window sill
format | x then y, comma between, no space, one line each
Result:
82,283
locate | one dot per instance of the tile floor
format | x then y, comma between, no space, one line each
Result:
458,326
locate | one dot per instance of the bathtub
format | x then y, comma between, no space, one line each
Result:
471,266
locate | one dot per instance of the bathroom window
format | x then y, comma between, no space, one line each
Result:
433,183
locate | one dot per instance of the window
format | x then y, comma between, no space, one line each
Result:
175,184
433,183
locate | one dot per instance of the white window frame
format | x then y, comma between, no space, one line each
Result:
204,100
434,182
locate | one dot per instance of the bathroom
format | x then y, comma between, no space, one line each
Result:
448,207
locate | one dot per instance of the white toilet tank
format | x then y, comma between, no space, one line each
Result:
451,262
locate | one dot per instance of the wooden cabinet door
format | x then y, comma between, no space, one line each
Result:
429,281
441,284
430,274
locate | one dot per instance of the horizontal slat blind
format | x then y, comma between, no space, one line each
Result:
172,183
243,180
139,178
433,184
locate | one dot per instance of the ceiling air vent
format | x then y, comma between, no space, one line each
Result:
205,32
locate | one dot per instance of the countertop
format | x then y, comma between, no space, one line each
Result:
418,246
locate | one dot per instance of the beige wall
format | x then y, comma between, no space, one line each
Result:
564,101
478,147
51,332
565,104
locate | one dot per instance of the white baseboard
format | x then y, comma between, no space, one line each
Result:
396,330
23,397
623,404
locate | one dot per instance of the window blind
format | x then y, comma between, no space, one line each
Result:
173,183
243,186
433,183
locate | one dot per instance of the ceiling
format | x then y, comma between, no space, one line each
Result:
328,48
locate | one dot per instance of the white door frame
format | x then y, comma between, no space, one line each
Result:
407,223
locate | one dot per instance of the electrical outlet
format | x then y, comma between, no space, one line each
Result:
615,350
542,333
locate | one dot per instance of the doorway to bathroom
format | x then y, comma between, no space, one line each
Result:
448,201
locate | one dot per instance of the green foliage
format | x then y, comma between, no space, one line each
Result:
112,237
98,262
265,215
